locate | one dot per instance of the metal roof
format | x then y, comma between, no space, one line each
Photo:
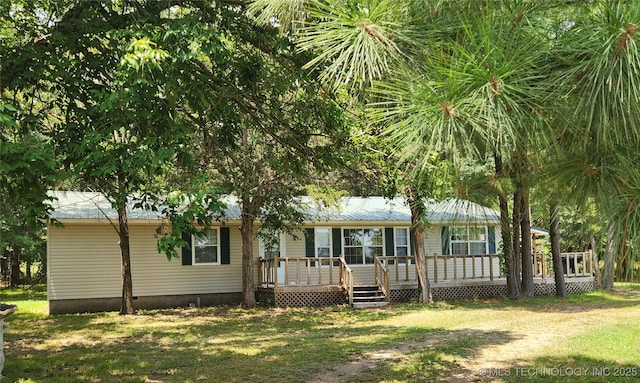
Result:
94,206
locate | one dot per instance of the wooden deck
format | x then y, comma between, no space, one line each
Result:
451,275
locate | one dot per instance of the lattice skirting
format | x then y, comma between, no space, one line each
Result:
581,287
405,295
572,288
449,293
494,291
468,292
309,298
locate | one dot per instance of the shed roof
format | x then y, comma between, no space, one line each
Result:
94,206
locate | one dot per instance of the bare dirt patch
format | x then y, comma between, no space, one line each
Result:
531,333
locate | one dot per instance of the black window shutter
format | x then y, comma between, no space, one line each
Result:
389,246
336,237
492,239
225,246
186,251
309,242
446,239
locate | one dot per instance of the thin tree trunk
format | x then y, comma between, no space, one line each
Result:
246,231
622,271
527,260
596,260
513,285
417,230
558,272
28,271
516,250
250,209
126,304
609,256
4,264
14,279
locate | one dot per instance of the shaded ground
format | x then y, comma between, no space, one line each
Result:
450,342
530,335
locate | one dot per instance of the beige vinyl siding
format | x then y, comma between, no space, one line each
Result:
433,240
153,274
363,274
295,247
84,262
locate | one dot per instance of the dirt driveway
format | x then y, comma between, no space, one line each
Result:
530,334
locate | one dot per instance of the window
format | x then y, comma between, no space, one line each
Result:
206,249
401,239
466,240
323,242
362,245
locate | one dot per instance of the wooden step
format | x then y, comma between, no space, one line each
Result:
367,296
367,305
364,294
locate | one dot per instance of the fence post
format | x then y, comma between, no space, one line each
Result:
446,274
491,267
435,268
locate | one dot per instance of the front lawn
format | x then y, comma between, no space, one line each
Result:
459,341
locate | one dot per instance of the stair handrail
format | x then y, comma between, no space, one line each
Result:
346,279
382,277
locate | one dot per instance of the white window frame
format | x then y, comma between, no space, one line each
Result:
395,240
407,230
468,241
217,245
316,247
364,258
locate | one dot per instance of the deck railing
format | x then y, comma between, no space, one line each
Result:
382,277
268,272
393,271
486,266
400,268
579,264
454,267
299,271
540,266
346,279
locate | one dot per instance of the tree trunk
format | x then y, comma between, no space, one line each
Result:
4,264
417,230
525,230
14,279
622,270
27,275
596,260
246,231
609,256
126,304
513,285
516,249
558,272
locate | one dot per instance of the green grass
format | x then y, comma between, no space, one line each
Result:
403,343
30,300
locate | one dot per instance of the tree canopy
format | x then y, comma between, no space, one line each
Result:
533,102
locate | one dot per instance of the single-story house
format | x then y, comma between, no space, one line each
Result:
358,252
